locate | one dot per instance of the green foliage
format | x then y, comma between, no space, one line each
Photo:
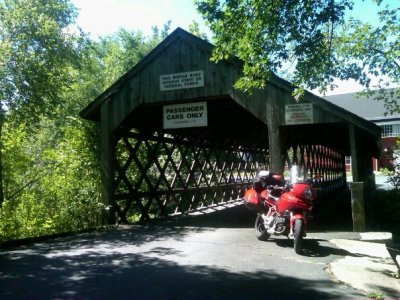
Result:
104,61
194,28
394,176
49,71
384,171
274,36
37,47
364,52
385,207
376,296
51,179
307,41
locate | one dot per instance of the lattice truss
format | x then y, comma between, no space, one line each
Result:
160,174
322,164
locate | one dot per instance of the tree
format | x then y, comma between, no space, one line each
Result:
51,171
38,44
194,28
119,52
271,36
394,176
309,42
365,53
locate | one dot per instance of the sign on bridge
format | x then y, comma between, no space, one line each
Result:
296,114
185,115
179,81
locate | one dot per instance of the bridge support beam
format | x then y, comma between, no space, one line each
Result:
275,133
107,165
357,206
363,185
275,149
361,159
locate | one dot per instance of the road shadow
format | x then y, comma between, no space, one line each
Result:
122,235
150,274
227,215
230,215
313,247
127,262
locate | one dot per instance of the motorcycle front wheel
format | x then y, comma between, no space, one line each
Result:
298,227
261,231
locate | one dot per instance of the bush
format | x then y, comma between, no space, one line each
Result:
394,176
51,180
385,212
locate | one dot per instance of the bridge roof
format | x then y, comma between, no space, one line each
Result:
138,96
368,108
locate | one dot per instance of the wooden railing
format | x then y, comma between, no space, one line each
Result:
159,174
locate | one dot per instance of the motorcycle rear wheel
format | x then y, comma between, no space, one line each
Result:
261,231
298,227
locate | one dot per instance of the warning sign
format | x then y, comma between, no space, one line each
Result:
296,114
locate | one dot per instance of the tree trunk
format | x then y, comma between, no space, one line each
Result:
2,118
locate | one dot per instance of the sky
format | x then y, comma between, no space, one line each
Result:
102,17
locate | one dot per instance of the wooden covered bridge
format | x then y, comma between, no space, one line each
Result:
176,136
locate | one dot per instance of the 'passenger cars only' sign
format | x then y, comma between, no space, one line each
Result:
185,115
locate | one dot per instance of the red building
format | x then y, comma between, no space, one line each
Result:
374,111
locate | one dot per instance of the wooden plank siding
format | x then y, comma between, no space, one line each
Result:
183,53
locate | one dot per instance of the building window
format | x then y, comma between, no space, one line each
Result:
386,130
396,129
390,130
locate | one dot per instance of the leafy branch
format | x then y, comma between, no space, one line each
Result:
34,180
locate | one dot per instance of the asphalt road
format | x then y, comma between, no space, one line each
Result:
210,256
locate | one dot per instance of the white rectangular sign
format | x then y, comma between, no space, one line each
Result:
296,114
179,81
185,115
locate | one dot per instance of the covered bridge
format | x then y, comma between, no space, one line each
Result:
176,136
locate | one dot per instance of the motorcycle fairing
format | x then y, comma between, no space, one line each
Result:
289,201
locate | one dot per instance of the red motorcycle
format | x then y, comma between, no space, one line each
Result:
283,207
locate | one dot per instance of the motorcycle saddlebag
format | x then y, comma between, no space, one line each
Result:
252,200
